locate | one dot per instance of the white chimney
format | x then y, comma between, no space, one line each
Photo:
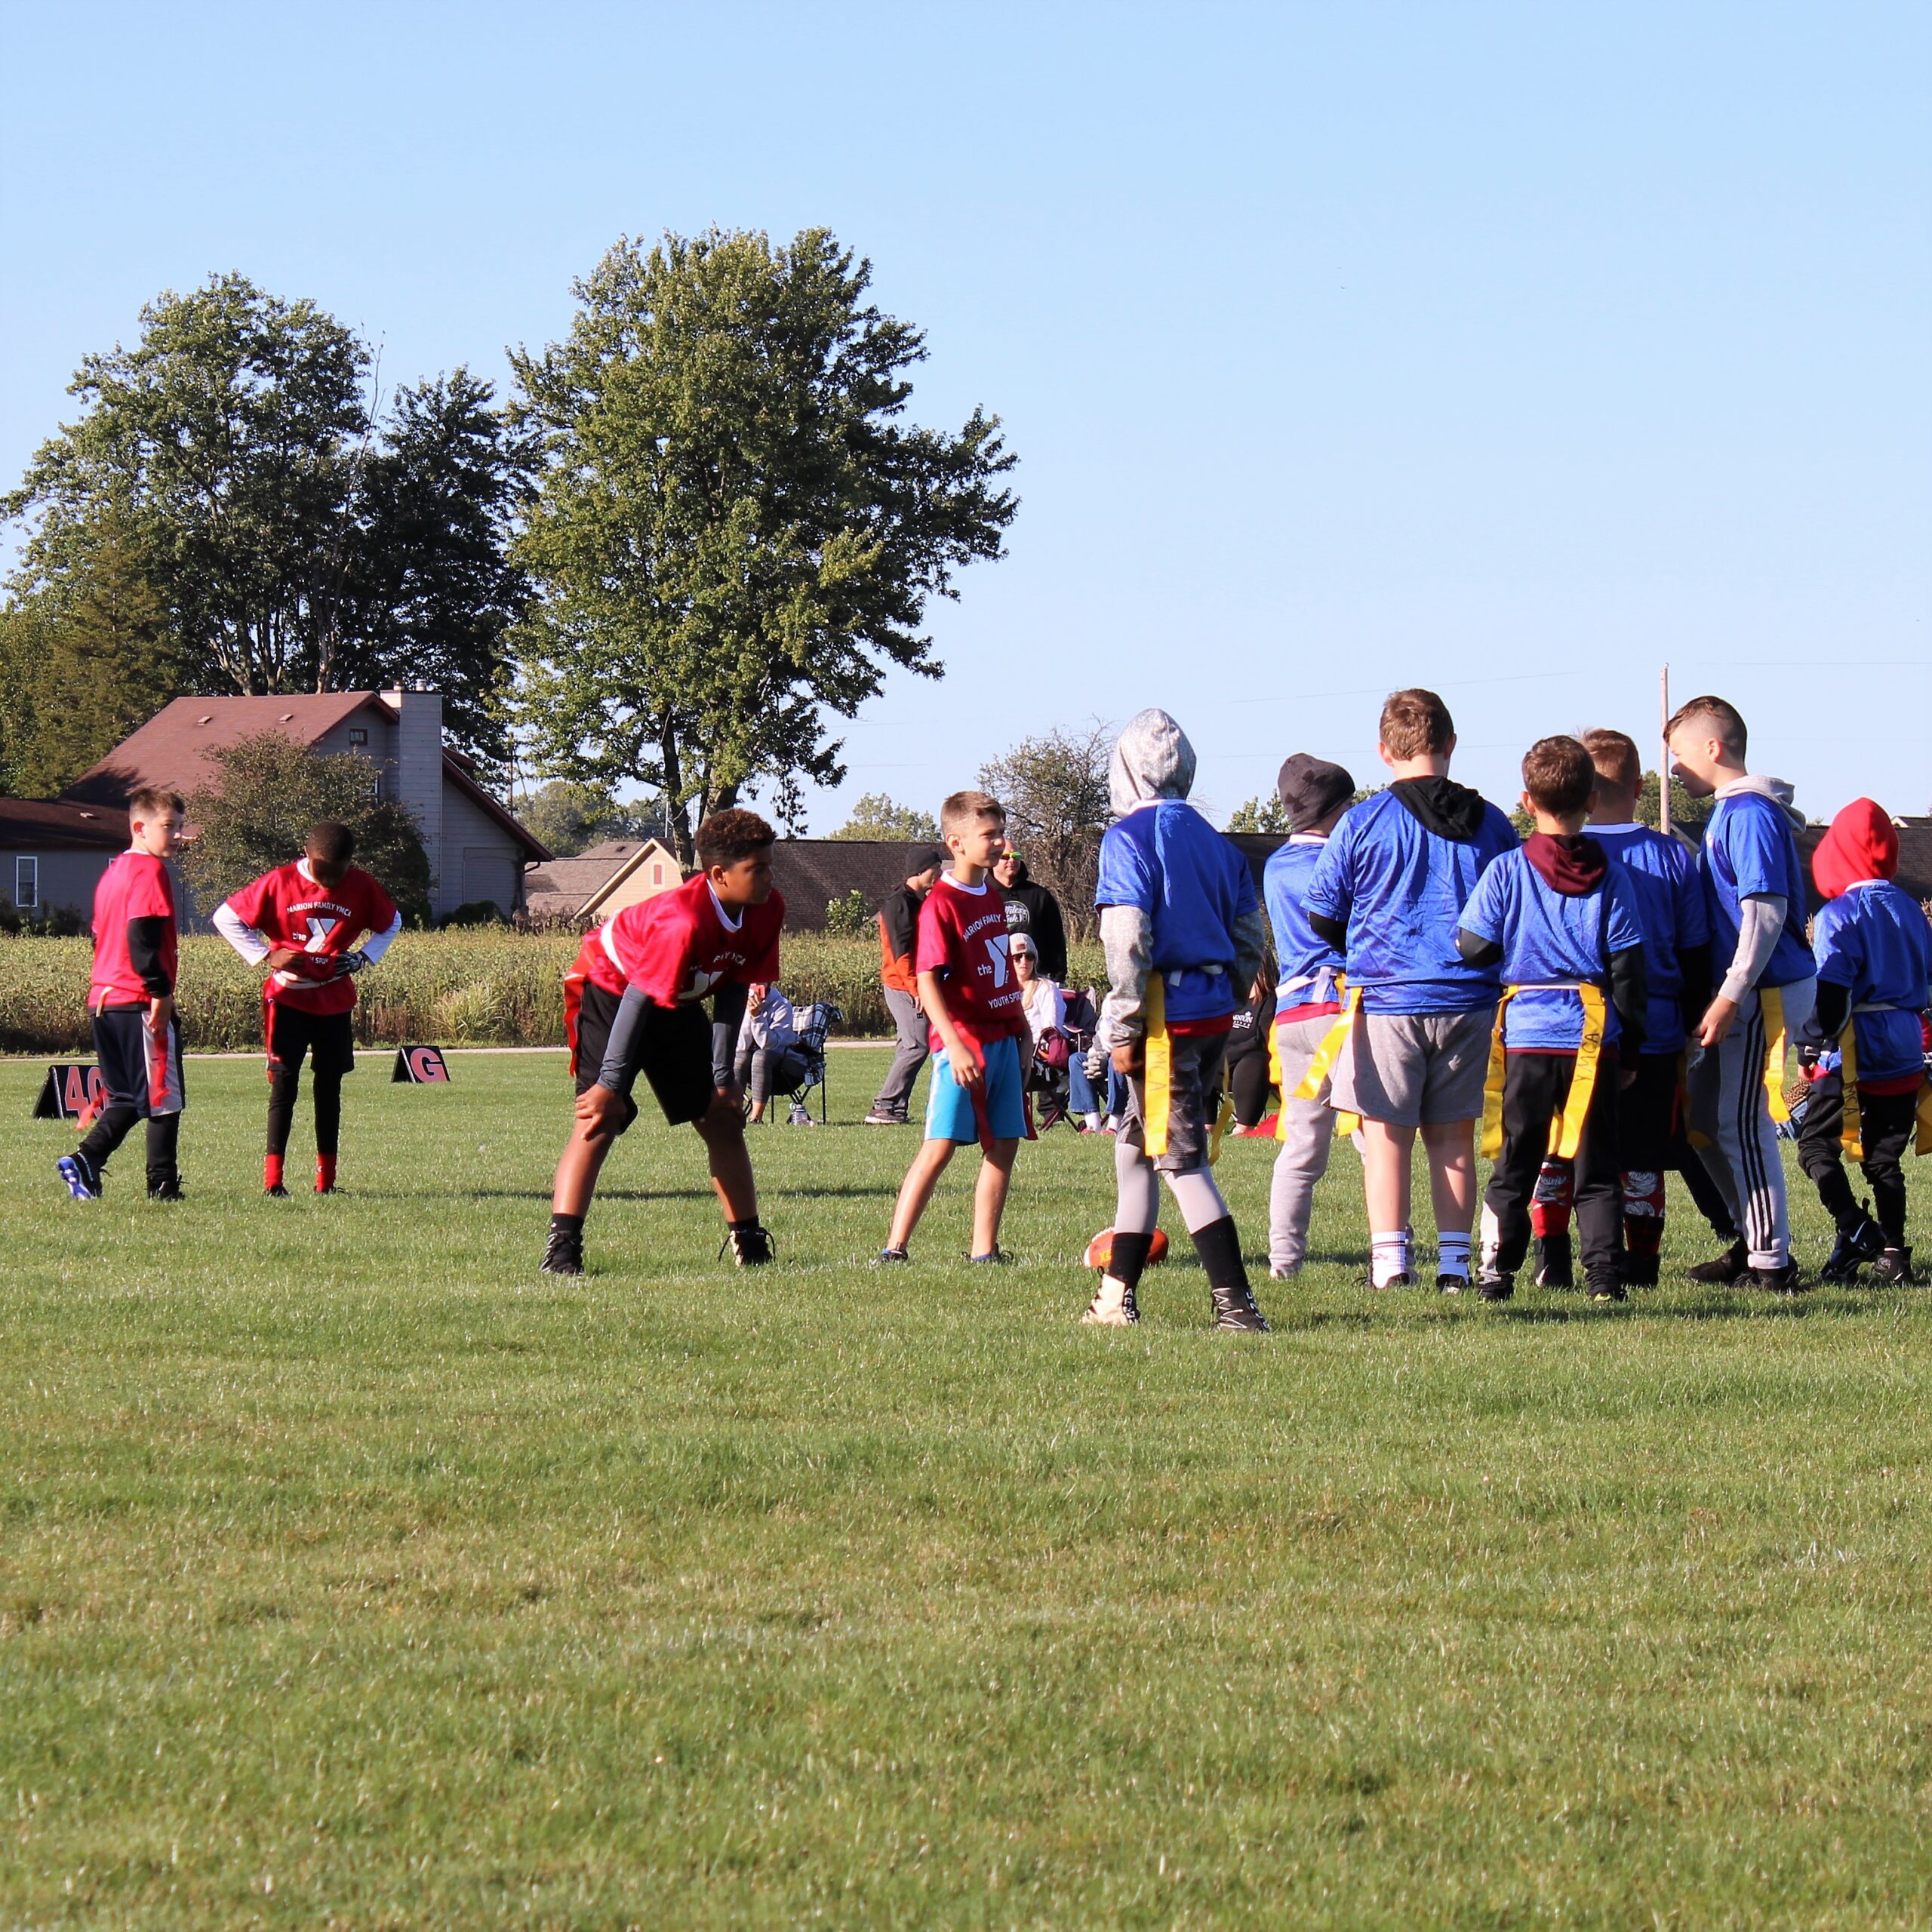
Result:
419,779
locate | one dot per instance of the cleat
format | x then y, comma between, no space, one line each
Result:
1493,1287
887,1257
1235,1312
1788,1280
1851,1250
563,1252
166,1190
750,1247
277,1192
1447,1283
1609,1288
1730,1268
999,1258
1114,1306
1894,1269
83,1183
1555,1267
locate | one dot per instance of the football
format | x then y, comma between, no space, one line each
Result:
1100,1249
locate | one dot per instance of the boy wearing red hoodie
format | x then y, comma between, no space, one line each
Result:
1560,918
1864,1056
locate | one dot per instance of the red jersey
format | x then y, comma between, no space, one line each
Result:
136,885
962,938
678,946
321,922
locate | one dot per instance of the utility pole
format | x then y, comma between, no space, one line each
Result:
1663,764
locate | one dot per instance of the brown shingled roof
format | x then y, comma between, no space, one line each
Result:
48,822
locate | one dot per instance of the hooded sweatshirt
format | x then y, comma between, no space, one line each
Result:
1750,852
1873,949
1554,916
1390,885
1175,896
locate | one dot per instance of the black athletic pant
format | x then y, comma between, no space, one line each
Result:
1534,1088
328,1040
122,1046
1886,1125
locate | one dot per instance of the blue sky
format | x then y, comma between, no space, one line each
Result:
1510,349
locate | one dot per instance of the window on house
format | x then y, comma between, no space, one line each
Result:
358,735
657,875
26,882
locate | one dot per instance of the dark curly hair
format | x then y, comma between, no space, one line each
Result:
726,837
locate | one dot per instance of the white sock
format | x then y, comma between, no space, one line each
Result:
1389,1257
1452,1255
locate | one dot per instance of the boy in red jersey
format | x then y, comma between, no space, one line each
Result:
632,1005
136,1037
302,921
980,1041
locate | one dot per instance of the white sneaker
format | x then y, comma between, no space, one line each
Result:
1113,1306
1283,1271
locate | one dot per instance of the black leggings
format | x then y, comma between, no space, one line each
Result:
1887,1123
1247,1078
285,1085
1534,1088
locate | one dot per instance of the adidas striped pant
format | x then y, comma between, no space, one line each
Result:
1729,1106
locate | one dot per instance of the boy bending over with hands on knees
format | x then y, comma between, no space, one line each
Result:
633,1004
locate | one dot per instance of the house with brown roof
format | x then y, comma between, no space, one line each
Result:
52,855
477,849
595,884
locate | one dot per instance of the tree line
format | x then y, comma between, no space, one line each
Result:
698,530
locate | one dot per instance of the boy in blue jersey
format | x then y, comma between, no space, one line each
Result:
1387,893
1558,917
1307,997
1754,900
1874,950
1183,927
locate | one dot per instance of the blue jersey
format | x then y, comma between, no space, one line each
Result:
1398,888
1194,887
1309,964
1749,847
1874,941
1670,908
1553,942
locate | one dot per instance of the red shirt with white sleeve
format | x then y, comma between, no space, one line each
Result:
962,938
288,909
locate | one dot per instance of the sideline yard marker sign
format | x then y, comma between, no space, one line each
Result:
69,1090
421,1066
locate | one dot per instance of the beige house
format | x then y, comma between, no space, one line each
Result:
596,884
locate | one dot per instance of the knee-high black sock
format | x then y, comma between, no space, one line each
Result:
1219,1247
283,1088
163,1149
328,1112
1129,1260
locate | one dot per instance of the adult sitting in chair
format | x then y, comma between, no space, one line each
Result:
768,1061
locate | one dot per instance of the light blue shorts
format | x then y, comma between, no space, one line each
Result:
949,1114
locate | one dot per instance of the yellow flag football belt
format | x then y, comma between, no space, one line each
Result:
1158,1081
1566,1131
1322,1065
1852,1138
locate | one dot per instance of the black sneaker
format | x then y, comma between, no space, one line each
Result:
166,1190
1730,1268
1851,1250
1608,1288
1893,1268
277,1192
890,1257
999,1258
1235,1311
82,1183
1785,1280
1451,1285
563,1252
751,1247
1556,1264
1495,1287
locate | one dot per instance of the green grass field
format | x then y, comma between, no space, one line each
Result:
353,1575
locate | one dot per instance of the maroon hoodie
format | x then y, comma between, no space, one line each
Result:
1570,864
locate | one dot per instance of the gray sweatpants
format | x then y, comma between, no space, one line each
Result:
1308,1131
1728,1105
910,1023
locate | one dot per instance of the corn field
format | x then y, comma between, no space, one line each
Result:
482,987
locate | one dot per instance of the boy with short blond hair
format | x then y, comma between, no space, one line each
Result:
136,1032
980,1041
1557,919
1755,898
1385,892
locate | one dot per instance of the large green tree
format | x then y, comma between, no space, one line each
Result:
296,542
878,815
736,531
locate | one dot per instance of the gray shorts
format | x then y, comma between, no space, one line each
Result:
1194,1099
1415,1070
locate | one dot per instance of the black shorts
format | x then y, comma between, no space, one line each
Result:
1647,1122
671,1048
293,1036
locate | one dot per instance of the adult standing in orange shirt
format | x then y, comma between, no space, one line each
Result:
898,931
